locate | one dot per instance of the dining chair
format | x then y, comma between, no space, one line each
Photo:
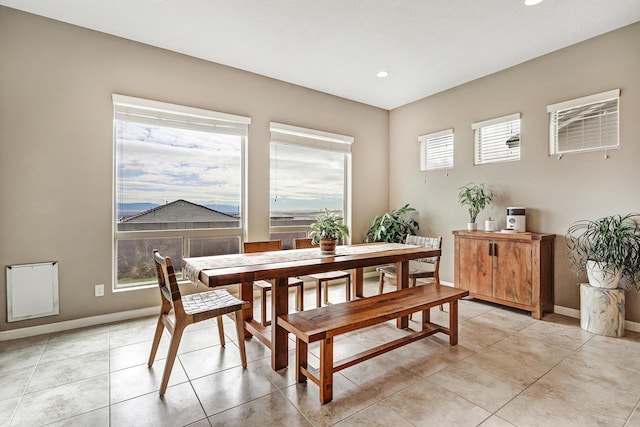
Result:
325,278
424,268
265,286
189,309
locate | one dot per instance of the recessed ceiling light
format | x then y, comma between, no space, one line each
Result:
532,2
382,74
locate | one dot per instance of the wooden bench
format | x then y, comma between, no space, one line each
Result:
324,323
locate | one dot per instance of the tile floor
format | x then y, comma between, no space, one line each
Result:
508,370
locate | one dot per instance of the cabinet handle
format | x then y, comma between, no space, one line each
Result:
493,249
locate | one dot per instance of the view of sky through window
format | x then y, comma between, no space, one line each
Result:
157,165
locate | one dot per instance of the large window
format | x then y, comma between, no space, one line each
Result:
310,171
178,185
497,140
585,124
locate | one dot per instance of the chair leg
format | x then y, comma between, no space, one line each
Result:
300,297
348,285
263,315
240,331
171,357
326,292
220,330
156,340
318,292
381,282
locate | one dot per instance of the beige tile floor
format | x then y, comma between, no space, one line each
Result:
508,370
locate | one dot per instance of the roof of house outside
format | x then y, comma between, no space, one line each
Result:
180,211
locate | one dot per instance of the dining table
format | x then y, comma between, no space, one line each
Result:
278,266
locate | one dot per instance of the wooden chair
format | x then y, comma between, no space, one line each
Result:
190,309
265,286
321,278
425,268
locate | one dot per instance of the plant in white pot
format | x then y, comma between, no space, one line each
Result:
327,230
607,249
476,197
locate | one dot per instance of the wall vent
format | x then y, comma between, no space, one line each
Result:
32,291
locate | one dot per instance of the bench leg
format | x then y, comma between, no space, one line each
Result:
301,360
426,317
326,370
453,322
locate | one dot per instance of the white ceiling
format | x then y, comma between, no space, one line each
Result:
337,46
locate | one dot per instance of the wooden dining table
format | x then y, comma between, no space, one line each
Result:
278,266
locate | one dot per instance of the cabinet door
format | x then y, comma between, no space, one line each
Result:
512,271
475,266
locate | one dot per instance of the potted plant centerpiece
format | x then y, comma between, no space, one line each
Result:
393,226
476,197
607,249
327,230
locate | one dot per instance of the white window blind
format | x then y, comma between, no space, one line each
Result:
436,150
497,140
585,124
158,113
310,138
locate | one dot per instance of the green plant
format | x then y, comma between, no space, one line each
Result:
613,242
328,225
392,226
477,197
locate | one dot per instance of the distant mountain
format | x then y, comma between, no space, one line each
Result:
126,210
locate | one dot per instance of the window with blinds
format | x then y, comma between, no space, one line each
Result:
585,124
497,140
178,185
436,150
310,171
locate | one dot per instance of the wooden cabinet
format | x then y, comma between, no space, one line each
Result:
511,269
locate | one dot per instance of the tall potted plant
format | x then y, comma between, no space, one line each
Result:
607,249
393,226
476,197
327,230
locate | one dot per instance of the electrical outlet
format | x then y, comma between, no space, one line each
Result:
99,290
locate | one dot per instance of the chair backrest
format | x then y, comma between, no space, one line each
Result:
265,246
167,282
427,242
303,243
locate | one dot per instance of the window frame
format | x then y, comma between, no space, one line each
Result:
478,129
572,106
207,120
315,139
427,141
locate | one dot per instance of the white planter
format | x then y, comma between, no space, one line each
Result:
601,279
472,226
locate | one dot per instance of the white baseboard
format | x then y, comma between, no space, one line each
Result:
572,312
76,323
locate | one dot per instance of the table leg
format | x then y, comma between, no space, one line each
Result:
357,279
402,278
246,294
453,322
279,336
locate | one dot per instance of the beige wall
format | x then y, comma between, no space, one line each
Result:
56,82
555,192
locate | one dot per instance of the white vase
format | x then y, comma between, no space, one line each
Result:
600,278
472,226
